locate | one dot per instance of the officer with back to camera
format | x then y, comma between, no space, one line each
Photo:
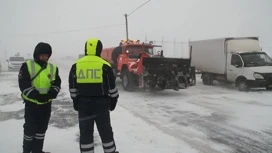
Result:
92,88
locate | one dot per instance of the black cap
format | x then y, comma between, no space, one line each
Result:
42,48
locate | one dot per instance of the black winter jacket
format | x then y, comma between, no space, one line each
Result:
24,83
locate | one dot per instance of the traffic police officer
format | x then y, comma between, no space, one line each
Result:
39,83
92,88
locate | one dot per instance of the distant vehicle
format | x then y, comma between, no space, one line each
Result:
15,63
237,60
197,71
27,59
80,56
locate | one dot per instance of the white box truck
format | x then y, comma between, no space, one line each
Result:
237,60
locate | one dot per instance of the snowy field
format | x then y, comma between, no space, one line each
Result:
201,119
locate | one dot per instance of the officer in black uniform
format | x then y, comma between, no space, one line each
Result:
39,83
92,88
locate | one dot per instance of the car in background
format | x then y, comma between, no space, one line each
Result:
197,71
81,55
27,59
15,63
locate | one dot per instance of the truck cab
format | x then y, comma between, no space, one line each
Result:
250,69
132,56
135,50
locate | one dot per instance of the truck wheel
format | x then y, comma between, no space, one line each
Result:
151,82
161,85
128,81
207,79
268,88
242,85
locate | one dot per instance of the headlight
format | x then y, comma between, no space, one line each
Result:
258,76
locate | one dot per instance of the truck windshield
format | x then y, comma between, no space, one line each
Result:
16,58
148,50
134,51
256,59
138,49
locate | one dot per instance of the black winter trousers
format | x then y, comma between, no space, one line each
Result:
95,110
35,126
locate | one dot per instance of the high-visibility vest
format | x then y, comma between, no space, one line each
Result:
89,69
42,82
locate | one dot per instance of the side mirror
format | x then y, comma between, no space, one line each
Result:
161,53
7,60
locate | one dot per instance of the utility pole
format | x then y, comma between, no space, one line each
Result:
126,16
126,26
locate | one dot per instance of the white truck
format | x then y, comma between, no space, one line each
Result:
237,60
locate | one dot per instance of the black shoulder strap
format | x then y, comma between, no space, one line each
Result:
42,68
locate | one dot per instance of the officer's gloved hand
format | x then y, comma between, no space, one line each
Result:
75,104
34,94
113,102
53,93
43,97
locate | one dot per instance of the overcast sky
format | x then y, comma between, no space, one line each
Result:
67,24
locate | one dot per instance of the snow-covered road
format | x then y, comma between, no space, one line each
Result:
201,119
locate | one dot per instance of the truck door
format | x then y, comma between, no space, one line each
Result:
234,66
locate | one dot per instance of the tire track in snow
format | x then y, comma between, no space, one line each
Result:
220,135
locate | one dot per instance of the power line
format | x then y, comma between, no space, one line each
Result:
138,7
126,17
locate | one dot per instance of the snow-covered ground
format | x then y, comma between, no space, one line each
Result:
201,119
